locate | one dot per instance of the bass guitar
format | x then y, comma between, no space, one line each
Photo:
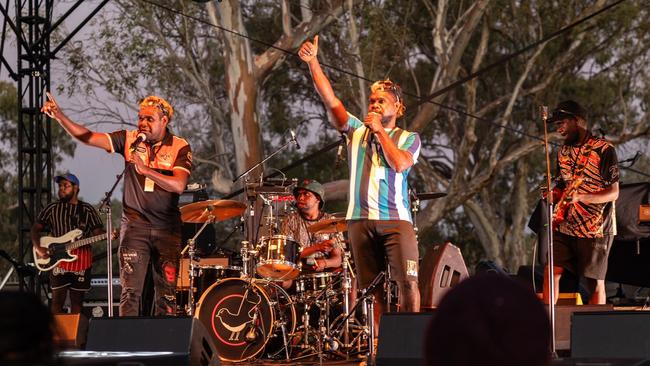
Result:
59,249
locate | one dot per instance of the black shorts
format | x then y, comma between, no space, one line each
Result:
78,281
583,256
374,241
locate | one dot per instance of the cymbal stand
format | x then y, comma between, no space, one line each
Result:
191,250
415,207
105,207
347,289
367,299
246,256
388,289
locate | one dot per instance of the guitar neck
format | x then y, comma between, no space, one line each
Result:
82,242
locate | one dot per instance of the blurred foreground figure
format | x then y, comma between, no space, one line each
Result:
26,327
489,320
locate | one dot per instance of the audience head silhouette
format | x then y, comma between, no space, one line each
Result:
486,320
27,325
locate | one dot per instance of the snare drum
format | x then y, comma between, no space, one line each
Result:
278,258
311,283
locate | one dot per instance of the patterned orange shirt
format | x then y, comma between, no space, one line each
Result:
589,220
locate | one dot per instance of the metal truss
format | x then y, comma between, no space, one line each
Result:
31,27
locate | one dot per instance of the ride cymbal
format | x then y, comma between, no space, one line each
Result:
329,226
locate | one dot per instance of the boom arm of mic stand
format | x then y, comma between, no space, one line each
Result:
286,144
106,208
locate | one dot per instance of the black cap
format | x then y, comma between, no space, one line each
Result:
567,109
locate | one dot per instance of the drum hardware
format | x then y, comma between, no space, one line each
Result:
366,301
415,199
205,212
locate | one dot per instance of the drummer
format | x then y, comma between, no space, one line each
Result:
319,252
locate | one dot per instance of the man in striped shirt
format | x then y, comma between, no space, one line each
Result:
60,217
380,156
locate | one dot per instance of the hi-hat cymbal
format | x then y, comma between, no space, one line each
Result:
429,195
211,210
329,226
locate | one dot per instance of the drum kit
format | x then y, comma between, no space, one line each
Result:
253,313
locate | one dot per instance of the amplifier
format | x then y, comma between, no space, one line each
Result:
99,292
95,303
99,309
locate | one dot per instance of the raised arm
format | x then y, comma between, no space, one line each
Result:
79,132
338,115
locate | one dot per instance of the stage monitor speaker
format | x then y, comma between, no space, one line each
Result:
401,338
179,340
613,334
70,330
442,268
563,318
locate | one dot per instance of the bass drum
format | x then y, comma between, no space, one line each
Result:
245,318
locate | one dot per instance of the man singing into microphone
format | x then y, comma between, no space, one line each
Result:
158,165
380,156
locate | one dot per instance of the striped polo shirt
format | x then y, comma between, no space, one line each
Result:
377,191
61,217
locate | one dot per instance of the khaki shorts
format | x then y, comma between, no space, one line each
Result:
583,256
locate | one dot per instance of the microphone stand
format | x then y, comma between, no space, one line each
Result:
252,198
286,144
549,228
105,207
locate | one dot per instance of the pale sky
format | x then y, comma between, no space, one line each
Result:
95,168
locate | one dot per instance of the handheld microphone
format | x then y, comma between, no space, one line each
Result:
367,135
141,138
339,157
293,138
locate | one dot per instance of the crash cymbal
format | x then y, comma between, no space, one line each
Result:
329,226
215,210
429,195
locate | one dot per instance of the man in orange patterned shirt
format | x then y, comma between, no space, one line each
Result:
583,232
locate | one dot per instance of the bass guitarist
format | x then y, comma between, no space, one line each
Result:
60,217
583,220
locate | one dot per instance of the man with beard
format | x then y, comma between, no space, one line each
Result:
588,177
380,157
157,167
318,250
60,217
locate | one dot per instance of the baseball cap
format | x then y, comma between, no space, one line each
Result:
568,109
69,177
